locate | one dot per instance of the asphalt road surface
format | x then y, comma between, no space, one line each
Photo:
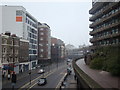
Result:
53,74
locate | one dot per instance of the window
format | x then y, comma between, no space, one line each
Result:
117,40
41,29
41,55
41,39
19,13
41,44
41,50
4,50
34,52
41,33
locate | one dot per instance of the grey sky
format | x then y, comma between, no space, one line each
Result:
69,21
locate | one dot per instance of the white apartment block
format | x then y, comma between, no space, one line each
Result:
17,20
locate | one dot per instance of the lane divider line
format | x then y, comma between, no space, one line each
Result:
44,76
38,77
32,81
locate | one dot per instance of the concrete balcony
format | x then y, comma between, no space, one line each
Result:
105,37
99,14
104,28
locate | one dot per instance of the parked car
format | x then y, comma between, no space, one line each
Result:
41,71
42,81
69,70
33,68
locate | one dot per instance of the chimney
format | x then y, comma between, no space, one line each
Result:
14,35
7,33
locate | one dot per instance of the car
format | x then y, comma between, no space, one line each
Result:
41,71
33,68
42,81
38,66
69,70
68,60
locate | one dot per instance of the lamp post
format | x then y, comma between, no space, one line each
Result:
30,69
14,78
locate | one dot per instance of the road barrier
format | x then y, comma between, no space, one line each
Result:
61,81
84,82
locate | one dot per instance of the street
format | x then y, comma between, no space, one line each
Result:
52,73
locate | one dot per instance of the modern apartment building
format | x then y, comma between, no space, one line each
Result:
105,23
17,20
44,42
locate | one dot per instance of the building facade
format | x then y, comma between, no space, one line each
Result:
16,19
105,24
57,50
0,51
23,55
44,42
10,53
61,49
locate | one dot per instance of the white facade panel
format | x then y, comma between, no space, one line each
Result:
0,20
9,22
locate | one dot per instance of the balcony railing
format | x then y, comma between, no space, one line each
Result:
107,9
104,28
105,37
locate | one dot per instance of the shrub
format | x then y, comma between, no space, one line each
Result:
113,66
97,63
108,60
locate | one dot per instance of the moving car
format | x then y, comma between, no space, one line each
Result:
42,81
41,71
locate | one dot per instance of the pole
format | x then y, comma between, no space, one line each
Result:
13,74
13,83
13,54
30,69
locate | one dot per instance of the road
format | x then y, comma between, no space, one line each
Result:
53,78
53,75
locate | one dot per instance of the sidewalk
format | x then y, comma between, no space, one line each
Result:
105,79
19,76
71,82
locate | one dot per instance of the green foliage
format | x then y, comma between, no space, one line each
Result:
97,63
113,65
107,58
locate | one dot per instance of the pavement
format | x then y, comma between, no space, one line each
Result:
70,82
19,76
103,78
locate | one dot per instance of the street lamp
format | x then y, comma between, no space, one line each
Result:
30,69
14,78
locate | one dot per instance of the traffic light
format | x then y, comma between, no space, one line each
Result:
14,78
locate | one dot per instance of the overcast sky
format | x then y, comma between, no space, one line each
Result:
69,21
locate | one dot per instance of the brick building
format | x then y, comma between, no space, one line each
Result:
44,43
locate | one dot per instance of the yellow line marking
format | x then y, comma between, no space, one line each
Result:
31,81
44,77
38,77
